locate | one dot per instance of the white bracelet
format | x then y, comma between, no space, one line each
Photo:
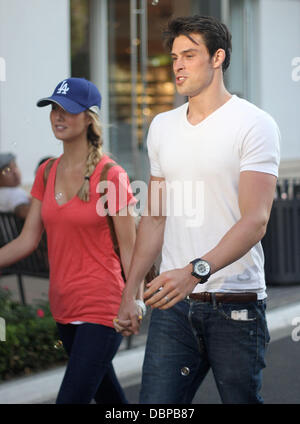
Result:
142,306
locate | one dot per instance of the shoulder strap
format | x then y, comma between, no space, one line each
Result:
103,177
105,169
47,170
152,273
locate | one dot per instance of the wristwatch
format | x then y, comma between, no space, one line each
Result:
201,270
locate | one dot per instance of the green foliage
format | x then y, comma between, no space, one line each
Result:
31,334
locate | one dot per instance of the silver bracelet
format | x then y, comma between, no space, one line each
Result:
142,306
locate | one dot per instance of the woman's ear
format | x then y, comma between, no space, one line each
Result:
88,118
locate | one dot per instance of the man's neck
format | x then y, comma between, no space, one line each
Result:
205,103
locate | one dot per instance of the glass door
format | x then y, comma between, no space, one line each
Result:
140,76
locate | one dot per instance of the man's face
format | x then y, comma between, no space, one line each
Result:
10,175
192,65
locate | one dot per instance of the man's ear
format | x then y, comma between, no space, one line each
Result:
218,58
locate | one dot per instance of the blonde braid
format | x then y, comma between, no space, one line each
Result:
95,154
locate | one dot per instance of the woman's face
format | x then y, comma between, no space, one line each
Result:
67,126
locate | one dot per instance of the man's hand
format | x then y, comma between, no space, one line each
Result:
170,287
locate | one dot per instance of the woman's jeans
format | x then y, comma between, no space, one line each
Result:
90,374
185,341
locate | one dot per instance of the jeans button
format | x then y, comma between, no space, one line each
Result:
185,371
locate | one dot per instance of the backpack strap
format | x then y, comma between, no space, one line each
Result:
47,170
152,273
103,177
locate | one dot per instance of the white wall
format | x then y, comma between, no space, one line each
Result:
35,45
280,95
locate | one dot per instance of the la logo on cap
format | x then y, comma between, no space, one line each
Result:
64,88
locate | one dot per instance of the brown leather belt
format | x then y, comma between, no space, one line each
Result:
224,297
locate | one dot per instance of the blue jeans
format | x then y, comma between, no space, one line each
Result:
90,373
185,341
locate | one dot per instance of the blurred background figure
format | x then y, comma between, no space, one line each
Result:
12,197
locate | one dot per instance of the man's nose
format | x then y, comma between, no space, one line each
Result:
178,65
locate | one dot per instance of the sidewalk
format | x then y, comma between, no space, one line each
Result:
283,307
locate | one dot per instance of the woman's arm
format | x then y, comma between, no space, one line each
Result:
124,225
28,240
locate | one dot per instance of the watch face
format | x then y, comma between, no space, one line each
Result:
202,268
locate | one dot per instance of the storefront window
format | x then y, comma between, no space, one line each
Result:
80,52
140,75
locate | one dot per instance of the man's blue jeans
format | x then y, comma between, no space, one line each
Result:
90,373
185,341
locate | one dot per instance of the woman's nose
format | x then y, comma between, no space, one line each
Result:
60,114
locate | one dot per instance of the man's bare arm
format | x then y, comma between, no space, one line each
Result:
147,248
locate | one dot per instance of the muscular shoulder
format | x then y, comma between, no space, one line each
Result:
250,115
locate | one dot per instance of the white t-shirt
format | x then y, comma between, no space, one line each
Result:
201,165
11,197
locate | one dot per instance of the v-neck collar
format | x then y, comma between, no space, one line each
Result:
53,180
211,115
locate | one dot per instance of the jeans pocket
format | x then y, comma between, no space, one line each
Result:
238,312
262,316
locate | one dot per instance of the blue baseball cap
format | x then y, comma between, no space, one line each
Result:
74,95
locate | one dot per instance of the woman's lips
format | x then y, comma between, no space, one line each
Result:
60,127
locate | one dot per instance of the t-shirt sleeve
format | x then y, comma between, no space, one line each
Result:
38,187
153,150
119,194
260,149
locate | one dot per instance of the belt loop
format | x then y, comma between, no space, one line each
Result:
214,301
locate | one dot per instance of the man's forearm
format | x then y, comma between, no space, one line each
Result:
147,248
235,243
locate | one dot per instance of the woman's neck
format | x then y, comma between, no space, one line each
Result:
75,153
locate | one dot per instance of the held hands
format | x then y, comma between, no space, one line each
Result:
170,287
129,317
163,292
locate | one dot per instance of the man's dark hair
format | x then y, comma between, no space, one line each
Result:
215,34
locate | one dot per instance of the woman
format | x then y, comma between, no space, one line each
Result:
86,282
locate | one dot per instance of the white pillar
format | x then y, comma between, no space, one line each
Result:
35,51
99,59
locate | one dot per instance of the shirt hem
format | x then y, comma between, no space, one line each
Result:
106,323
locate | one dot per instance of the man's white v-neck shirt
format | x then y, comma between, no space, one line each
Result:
201,165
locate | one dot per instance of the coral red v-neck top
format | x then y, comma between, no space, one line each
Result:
85,273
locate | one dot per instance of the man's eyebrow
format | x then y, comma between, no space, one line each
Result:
184,51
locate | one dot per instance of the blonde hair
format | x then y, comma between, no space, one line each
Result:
94,136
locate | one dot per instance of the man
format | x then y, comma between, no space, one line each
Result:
209,299
12,197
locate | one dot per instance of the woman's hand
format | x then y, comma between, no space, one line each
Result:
129,316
